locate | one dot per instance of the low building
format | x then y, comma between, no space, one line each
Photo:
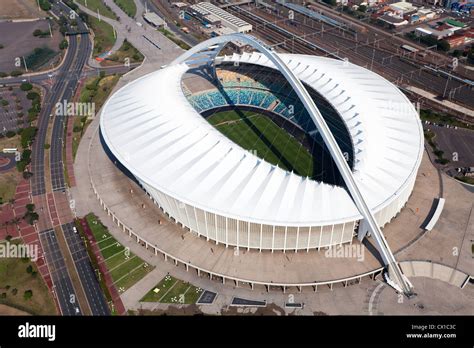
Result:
392,21
438,34
456,40
154,19
425,14
180,4
402,8
206,11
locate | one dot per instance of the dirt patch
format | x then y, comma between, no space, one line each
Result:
7,310
20,9
171,310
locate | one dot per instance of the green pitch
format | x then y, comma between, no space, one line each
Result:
260,135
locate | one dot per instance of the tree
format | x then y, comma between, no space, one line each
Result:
444,45
26,86
45,5
63,44
28,295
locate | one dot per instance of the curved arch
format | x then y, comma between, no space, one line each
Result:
328,138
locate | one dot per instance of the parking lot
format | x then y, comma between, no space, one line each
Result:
455,142
13,109
22,43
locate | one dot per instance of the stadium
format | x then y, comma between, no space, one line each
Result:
228,148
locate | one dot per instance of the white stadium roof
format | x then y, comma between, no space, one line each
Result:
152,129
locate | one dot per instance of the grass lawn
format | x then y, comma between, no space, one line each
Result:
127,50
173,290
8,183
431,116
13,275
127,6
256,132
467,179
104,37
9,180
125,267
95,5
102,87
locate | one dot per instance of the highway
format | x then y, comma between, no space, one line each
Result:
87,275
65,82
63,288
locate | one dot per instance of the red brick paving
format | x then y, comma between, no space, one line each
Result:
28,233
52,210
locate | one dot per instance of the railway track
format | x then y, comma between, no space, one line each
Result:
300,38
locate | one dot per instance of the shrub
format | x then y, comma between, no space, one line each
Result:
10,134
28,295
63,44
26,86
27,175
15,73
32,95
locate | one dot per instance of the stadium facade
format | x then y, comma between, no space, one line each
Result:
227,194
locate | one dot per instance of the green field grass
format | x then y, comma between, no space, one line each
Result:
127,6
259,134
173,290
95,5
125,267
104,38
15,280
